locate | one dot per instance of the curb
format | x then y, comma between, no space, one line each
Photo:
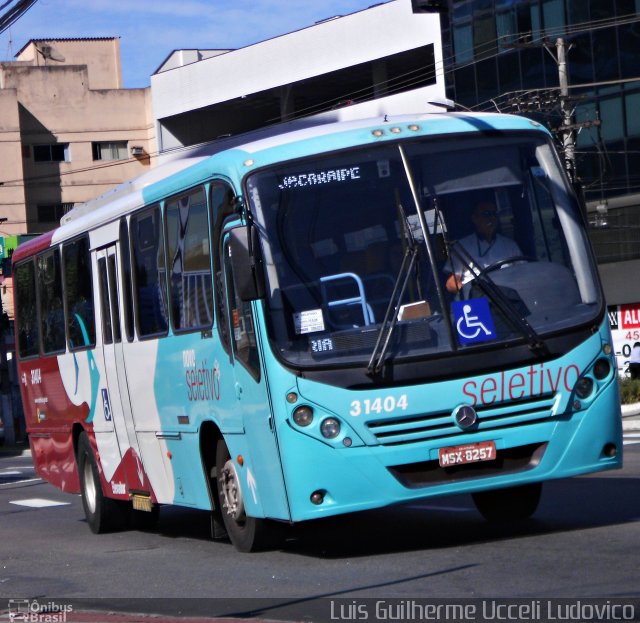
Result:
631,417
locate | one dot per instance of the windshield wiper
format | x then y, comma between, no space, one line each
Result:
399,287
509,310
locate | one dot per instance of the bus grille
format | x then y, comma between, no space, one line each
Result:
413,429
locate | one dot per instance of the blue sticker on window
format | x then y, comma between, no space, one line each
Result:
473,321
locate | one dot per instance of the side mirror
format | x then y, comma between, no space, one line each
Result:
246,263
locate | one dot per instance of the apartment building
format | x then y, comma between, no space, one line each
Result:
68,130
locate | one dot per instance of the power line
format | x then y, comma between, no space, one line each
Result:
400,83
14,13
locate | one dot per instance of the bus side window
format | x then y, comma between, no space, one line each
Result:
147,244
127,284
78,292
105,309
221,208
243,335
49,283
189,263
26,310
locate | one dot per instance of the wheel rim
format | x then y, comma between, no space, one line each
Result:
231,493
89,486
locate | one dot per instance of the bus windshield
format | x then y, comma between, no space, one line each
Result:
420,248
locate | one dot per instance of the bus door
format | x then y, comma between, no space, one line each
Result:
115,397
264,480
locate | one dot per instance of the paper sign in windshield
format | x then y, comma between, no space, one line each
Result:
309,321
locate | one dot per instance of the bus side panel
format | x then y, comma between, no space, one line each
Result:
193,383
54,459
140,362
50,416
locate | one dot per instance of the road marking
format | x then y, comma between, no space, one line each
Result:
13,483
38,503
3,473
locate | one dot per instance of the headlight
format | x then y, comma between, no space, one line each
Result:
584,387
601,369
303,415
330,428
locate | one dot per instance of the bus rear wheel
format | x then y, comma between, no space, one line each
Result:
512,504
247,534
103,514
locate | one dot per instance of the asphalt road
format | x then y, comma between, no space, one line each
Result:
582,543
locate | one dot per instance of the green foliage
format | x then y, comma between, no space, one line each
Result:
629,391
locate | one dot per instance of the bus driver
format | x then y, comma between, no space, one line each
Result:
485,246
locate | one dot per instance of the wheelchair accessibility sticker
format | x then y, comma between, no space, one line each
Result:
473,321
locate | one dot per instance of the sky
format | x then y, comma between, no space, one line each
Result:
150,30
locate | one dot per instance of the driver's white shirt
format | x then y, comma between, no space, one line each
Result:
485,253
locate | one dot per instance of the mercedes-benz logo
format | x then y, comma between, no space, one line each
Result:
465,416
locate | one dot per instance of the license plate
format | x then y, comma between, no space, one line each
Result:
468,453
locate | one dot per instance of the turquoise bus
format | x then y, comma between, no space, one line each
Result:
323,320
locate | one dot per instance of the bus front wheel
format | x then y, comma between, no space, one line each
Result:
103,514
247,534
512,504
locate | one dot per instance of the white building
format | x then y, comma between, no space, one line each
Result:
383,60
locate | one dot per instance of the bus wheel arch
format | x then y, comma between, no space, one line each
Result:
248,534
209,436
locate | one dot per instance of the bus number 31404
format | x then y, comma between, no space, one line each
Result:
388,404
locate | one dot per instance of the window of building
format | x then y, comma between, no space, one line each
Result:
56,152
189,262
506,29
78,282
147,245
578,11
553,14
463,43
588,135
611,119
110,151
50,212
484,34
632,106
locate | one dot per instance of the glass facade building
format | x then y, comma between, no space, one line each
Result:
502,55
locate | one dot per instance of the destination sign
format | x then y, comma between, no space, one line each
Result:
318,178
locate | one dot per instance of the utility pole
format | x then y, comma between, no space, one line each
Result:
565,106
546,102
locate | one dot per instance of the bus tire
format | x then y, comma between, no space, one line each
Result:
247,534
103,514
511,504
